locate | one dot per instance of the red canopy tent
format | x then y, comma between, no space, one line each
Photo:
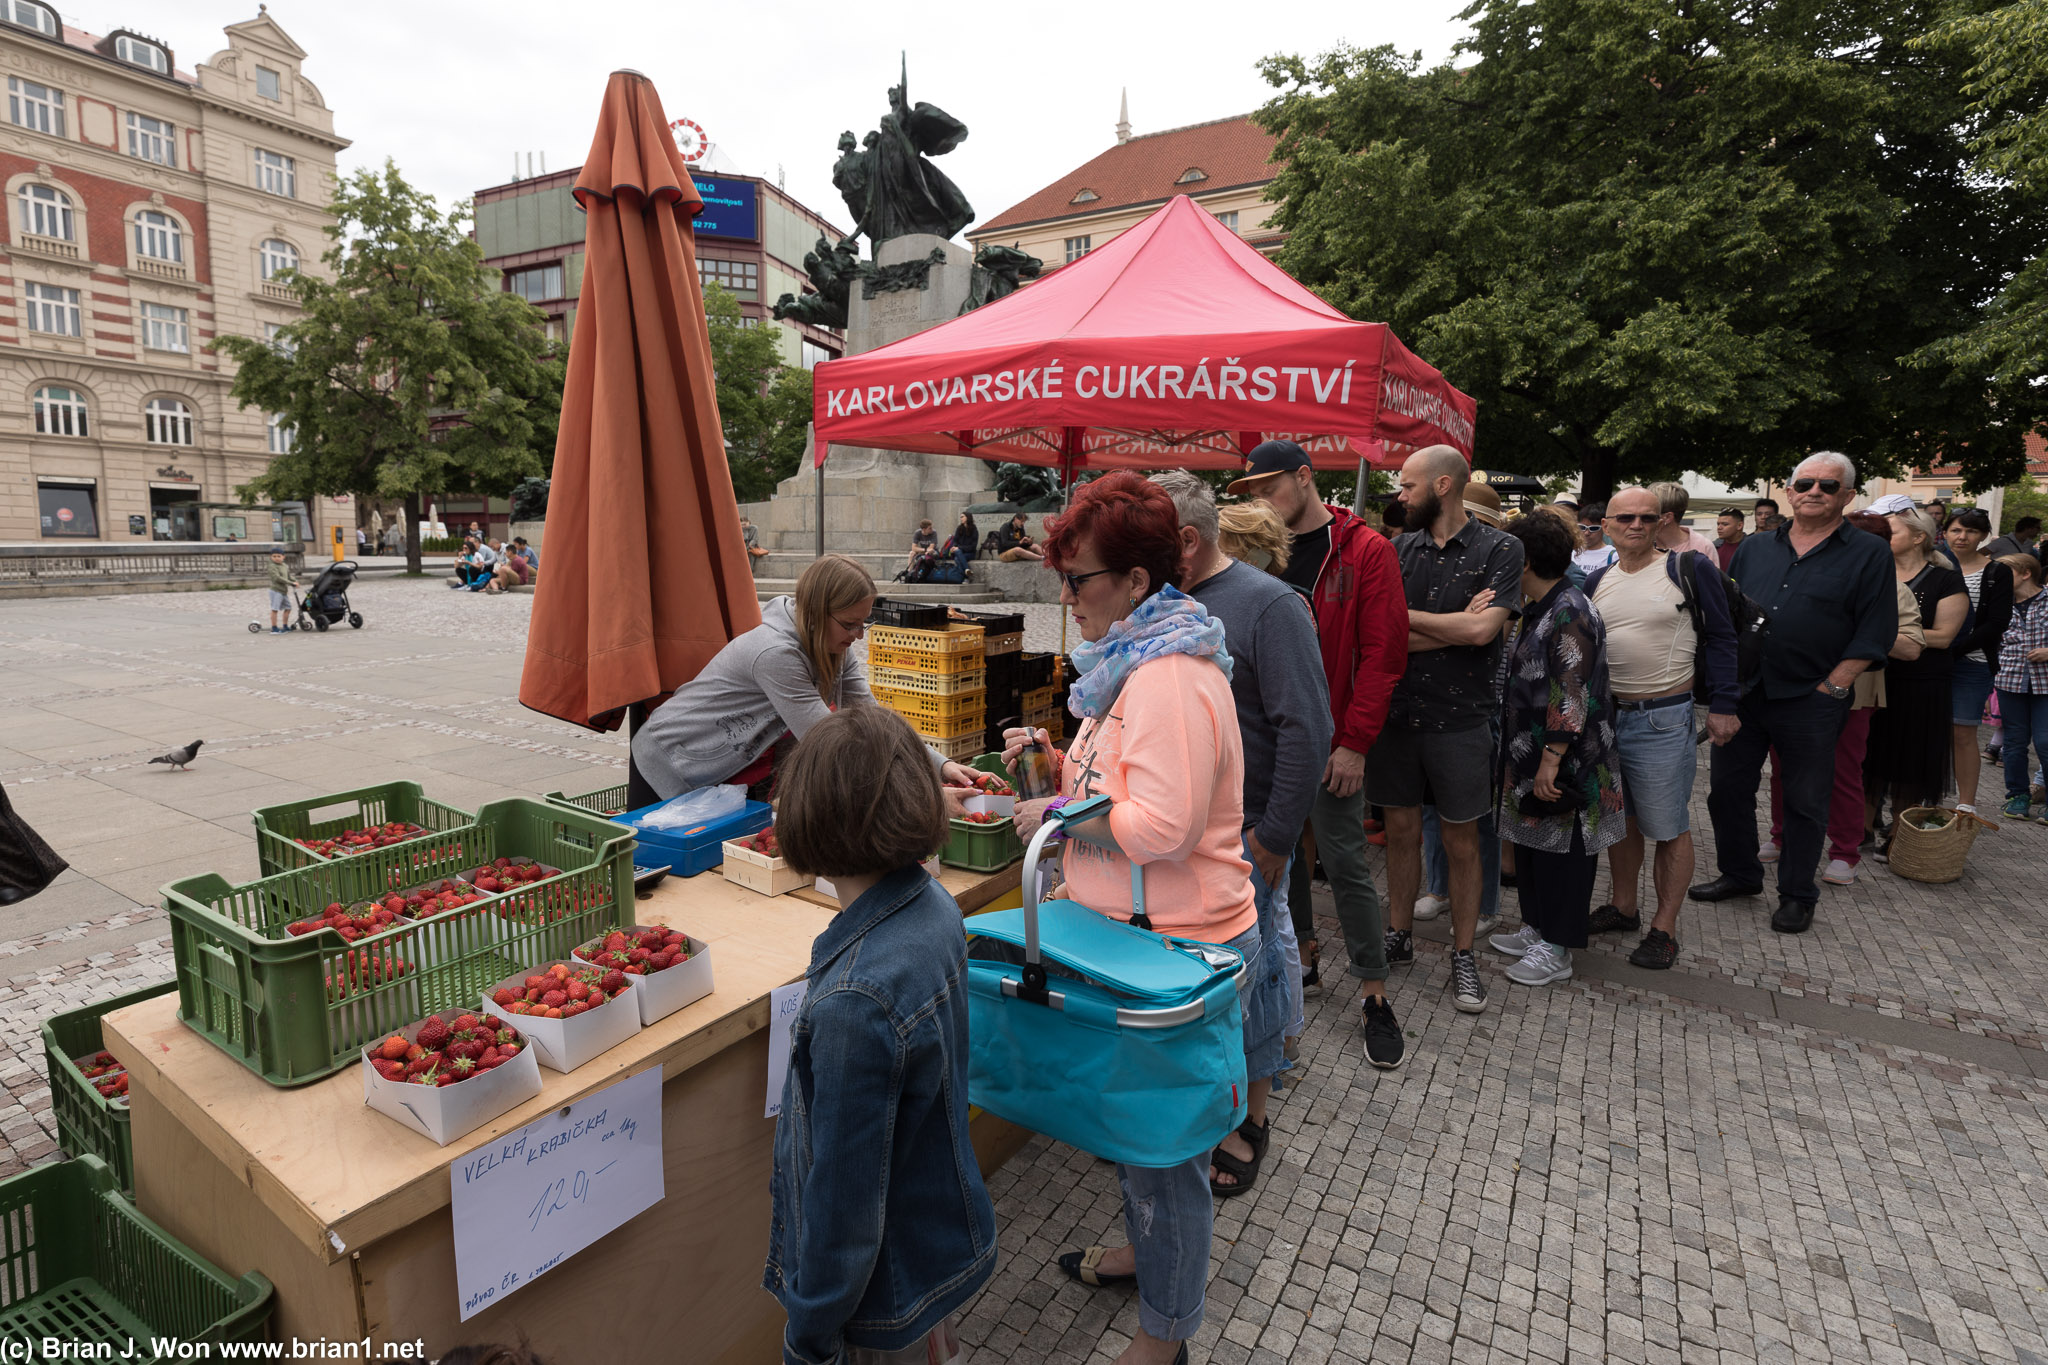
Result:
1176,345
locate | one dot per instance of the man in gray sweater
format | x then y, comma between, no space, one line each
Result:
1283,714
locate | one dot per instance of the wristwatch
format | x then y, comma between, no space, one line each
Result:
1836,692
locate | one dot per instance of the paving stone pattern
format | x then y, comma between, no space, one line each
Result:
1601,1170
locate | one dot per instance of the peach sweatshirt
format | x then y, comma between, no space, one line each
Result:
1169,756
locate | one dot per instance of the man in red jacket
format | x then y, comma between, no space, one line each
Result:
1352,578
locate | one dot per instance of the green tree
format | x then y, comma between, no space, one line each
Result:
2023,499
410,372
1653,235
2009,85
763,404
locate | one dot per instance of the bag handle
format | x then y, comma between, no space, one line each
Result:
1032,987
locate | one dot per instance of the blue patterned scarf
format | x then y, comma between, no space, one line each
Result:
1167,622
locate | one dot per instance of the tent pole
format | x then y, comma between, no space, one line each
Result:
820,467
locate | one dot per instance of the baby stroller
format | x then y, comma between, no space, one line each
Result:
326,602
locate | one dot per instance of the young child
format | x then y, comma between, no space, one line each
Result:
881,1228
281,580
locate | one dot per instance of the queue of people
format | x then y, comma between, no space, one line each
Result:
1253,681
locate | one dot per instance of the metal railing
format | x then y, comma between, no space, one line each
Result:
69,565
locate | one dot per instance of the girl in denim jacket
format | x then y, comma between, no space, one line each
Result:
882,1229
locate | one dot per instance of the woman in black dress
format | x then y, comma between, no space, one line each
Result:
1910,736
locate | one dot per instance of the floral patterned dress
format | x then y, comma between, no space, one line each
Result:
1557,688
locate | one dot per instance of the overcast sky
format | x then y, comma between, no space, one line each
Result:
452,89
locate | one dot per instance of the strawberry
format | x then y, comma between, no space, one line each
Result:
613,982
464,1023
574,1008
578,990
503,996
395,1047
554,1000
433,1035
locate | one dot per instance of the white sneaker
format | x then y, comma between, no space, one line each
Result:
1541,965
1839,873
1517,943
1486,925
1769,853
1429,907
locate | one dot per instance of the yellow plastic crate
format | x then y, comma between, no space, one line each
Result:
912,661
1038,698
1009,643
1046,718
937,715
961,747
954,639
930,684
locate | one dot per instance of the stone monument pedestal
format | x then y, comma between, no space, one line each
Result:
875,498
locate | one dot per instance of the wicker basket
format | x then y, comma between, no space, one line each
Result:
1938,854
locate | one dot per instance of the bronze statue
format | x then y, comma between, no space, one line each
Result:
832,269
998,271
890,186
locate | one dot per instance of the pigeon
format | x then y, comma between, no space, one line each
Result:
178,758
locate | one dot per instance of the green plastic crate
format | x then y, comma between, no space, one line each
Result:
88,1123
605,801
263,996
981,848
278,828
79,1264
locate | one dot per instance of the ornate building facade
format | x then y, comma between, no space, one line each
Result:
148,211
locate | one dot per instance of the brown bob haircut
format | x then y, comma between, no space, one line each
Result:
859,797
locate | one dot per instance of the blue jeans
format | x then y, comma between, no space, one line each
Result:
1170,1215
1269,1014
2025,718
1436,864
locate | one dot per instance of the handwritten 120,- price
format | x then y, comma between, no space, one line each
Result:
527,1202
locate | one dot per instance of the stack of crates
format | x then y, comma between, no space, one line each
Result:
1003,648
935,679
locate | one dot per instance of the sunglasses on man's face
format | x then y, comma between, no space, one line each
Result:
1827,486
1631,518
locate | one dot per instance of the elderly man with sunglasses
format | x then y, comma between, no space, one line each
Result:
1834,612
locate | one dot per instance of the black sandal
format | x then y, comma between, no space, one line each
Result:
1080,1267
1245,1172
1608,919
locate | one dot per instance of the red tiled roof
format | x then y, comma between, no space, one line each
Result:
1146,170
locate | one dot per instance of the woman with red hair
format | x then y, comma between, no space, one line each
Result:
1159,738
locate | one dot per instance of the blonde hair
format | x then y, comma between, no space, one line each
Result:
1922,524
2022,564
1563,518
1254,533
828,587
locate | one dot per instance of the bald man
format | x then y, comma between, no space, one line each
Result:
1460,577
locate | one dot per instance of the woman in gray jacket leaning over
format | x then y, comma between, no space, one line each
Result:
737,720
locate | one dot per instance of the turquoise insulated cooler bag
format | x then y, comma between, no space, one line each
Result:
1141,1062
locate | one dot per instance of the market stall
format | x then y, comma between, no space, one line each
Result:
353,1218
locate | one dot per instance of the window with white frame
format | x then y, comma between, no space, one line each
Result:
267,84
53,310
282,437
278,339
152,139
142,54
537,284
1077,247
33,106
811,355
1228,220
158,237
165,328
60,411
46,212
275,257
741,279
166,422
277,174
28,14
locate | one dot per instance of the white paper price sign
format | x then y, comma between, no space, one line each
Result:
783,1003
534,1198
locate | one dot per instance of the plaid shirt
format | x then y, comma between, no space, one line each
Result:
2028,631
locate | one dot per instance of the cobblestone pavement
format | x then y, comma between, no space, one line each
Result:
1829,1146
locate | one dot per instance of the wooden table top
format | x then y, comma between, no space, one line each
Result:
340,1175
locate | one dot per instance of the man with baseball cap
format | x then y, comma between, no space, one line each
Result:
1352,580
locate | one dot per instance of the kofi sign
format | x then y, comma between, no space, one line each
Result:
530,1200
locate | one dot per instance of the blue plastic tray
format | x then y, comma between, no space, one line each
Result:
697,848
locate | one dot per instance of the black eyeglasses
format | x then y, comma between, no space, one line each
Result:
1827,486
1631,518
1075,580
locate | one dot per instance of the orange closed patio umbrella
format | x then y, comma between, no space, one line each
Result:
644,577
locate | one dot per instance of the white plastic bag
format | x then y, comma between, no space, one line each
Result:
696,808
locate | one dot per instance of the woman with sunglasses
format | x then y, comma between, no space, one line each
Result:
1159,738
737,721
1989,584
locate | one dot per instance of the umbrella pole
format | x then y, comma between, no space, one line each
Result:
821,509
